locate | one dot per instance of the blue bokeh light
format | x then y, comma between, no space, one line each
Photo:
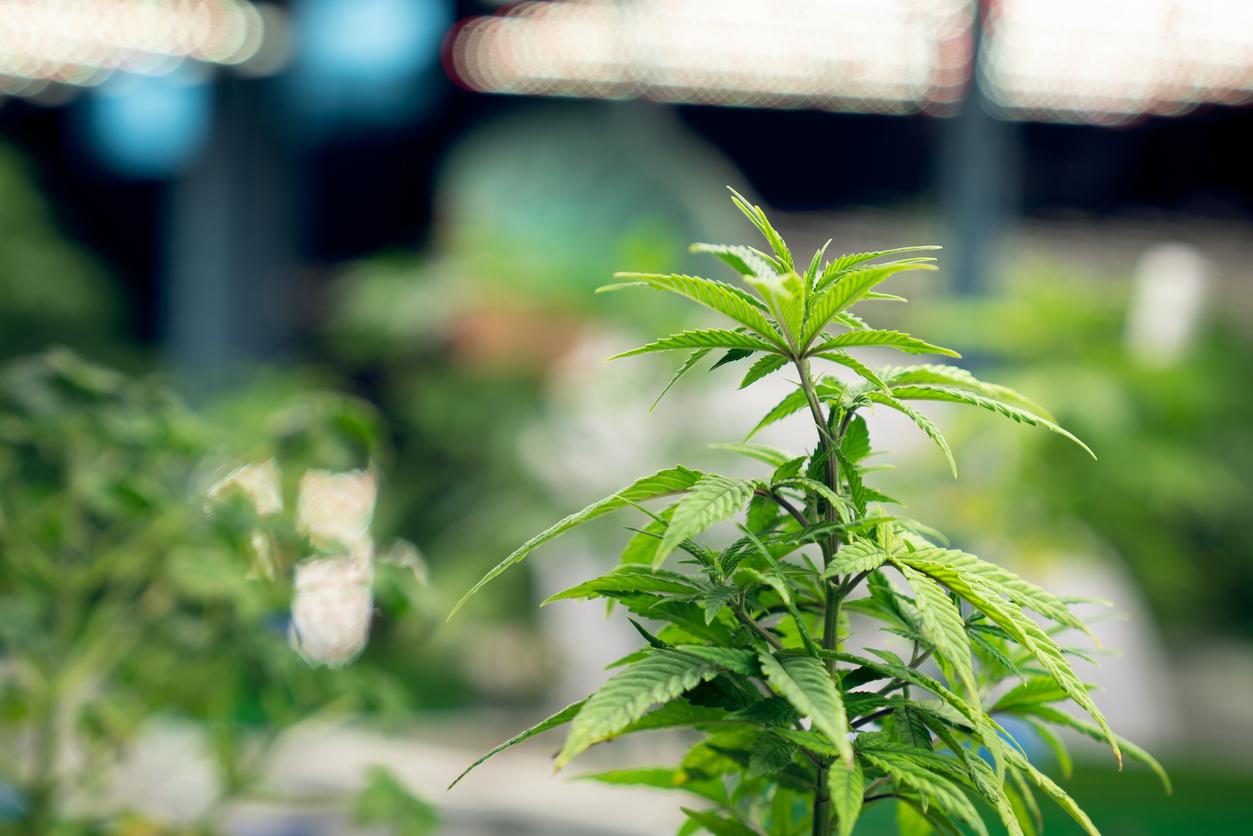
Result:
150,126
367,60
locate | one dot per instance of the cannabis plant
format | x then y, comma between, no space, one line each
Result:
799,731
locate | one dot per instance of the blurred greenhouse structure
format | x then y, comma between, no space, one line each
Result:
310,236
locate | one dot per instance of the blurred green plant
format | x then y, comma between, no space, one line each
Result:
385,802
1173,492
752,651
50,290
122,601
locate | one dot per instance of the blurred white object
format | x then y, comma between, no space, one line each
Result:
259,482
335,509
332,607
1168,299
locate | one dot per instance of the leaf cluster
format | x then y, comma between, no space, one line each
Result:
747,642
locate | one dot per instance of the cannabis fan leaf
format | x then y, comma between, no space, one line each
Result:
746,641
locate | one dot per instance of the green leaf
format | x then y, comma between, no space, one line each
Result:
855,445
923,422
1040,689
926,392
658,678
845,263
731,356
718,825
758,218
1059,795
770,754
1022,592
663,483
763,453
885,338
743,662
846,785
889,666
562,717
943,626
793,403
909,773
717,296
857,556
959,378
712,499
813,486
642,547
988,599
1059,718
785,296
807,685
700,338
811,273
628,579
850,362
763,366
830,302
688,364
1062,754
744,260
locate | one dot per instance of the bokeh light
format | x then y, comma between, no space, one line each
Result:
1109,62
365,59
858,55
82,42
149,126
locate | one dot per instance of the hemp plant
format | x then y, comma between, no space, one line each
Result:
798,732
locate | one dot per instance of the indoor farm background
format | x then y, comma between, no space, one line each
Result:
315,233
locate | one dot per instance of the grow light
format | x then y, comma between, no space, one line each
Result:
1110,61
82,42
859,55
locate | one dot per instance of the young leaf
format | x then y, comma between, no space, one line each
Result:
1006,615
714,295
942,625
630,578
794,402
663,483
785,296
959,378
761,452
850,362
846,785
700,338
844,263
718,825
759,220
688,364
923,422
744,260
888,339
926,392
712,499
658,678
562,717
843,294
807,685
765,365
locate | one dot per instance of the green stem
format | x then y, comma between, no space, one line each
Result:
831,545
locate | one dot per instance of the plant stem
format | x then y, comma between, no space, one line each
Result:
831,608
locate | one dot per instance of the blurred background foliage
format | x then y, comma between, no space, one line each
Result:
1172,439
353,259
